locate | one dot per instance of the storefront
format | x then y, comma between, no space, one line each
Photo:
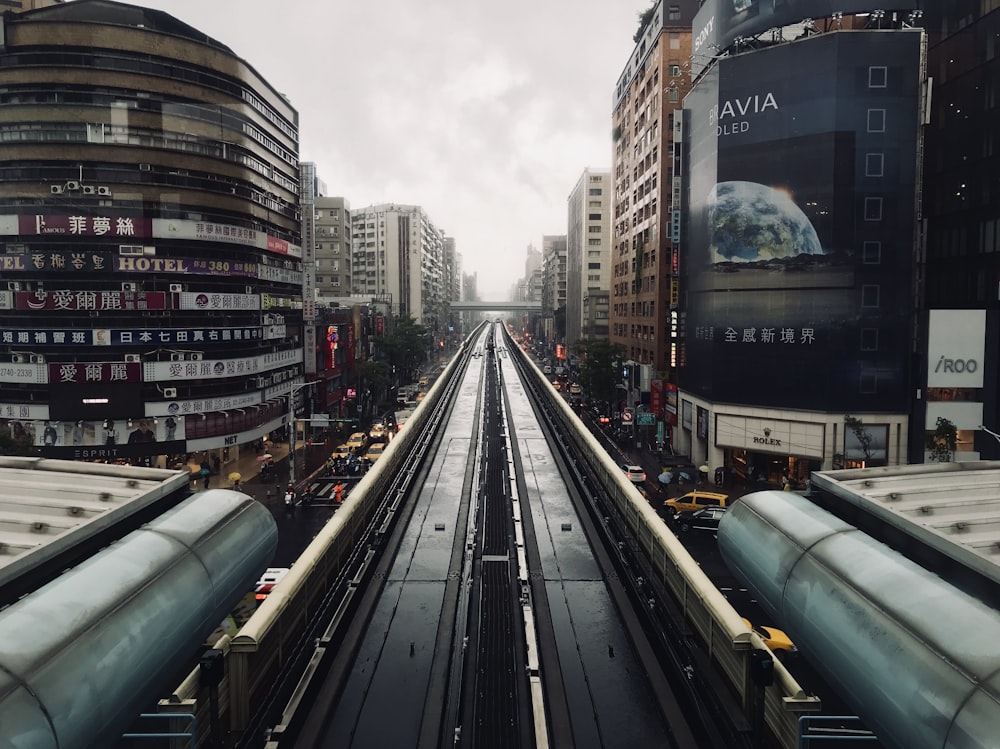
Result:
768,449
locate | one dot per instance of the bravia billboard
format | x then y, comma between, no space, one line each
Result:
798,254
720,22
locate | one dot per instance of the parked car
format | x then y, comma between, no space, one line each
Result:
635,474
695,500
776,640
375,451
575,389
705,519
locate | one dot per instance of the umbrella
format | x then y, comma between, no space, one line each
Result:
703,468
665,478
265,456
234,476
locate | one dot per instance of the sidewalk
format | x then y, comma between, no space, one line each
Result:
248,466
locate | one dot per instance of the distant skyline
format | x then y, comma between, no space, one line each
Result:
484,114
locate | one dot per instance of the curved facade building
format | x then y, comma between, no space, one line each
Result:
150,271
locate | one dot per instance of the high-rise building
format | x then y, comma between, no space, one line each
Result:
398,253
588,256
959,378
554,287
333,247
644,269
150,225
799,243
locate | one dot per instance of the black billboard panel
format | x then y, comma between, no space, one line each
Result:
720,22
89,401
798,251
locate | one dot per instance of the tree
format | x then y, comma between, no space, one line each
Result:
406,346
864,437
941,443
644,18
599,371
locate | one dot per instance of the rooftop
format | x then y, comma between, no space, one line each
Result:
953,508
48,507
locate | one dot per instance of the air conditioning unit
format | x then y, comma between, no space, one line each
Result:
249,289
135,358
104,190
195,356
169,392
177,357
130,249
89,190
13,286
144,167
72,185
130,286
17,358
176,288
37,359
56,189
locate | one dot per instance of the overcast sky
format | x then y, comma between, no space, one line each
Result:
485,113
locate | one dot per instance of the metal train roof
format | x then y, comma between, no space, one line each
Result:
49,506
953,508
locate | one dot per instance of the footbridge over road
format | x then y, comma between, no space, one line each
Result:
496,306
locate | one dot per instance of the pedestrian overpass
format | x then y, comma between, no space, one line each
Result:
495,306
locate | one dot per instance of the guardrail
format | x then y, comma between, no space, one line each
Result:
727,641
321,580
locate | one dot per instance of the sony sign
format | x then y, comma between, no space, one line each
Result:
956,344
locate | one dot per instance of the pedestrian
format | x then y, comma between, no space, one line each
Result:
338,493
265,470
215,462
205,472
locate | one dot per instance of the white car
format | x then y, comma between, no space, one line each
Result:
635,474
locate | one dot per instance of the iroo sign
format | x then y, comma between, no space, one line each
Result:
955,348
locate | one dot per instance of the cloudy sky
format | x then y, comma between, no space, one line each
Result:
485,113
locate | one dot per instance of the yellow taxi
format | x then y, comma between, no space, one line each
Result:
375,451
340,451
694,501
357,442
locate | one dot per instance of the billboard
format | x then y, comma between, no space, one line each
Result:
720,22
801,223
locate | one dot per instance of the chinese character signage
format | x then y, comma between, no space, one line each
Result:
110,337
206,301
94,372
84,226
100,301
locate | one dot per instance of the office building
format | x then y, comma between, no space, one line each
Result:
150,227
588,257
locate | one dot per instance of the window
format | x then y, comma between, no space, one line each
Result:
869,339
877,75
594,191
593,216
870,295
869,383
675,70
876,120
874,165
594,277
871,253
594,229
674,41
673,94
873,209
594,242
593,266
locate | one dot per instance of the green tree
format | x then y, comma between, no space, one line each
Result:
405,347
599,371
942,442
864,437
644,18
11,445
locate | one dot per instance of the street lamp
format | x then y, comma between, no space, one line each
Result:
292,391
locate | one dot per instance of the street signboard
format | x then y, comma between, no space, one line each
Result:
646,419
